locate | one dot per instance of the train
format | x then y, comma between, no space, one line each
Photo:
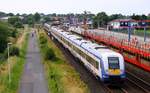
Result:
77,30
105,64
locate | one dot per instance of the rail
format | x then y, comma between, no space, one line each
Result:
145,86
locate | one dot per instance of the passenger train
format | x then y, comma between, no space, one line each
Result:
105,64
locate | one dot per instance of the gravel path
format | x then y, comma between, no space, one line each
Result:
33,80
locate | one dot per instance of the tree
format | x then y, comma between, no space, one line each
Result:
135,17
2,14
54,15
143,17
101,19
15,21
18,24
139,17
47,19
17,14
10,14
37,17
4,33
30,20
115,16
148,17
95,22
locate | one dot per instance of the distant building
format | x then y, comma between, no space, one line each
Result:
89,23
4,19
122,23
125,23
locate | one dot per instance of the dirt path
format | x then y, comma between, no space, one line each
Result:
33,80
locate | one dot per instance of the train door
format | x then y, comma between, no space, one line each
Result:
100,69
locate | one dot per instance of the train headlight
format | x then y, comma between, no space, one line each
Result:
123,76
105,76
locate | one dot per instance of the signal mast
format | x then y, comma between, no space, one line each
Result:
85,26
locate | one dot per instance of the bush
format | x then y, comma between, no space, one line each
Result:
4,34
14,51
49,54
2,58
14,33
43,39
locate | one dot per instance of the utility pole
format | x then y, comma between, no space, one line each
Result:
9,66
129,31
98,24
144,34
85,20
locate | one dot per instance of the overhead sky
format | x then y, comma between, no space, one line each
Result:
126,7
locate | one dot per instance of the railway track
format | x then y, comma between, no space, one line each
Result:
114,89
143,85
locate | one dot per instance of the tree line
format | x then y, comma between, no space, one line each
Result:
101,18
7,34
18,20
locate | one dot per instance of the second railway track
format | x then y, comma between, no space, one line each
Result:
143,85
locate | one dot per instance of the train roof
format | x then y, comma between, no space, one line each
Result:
68,35
79,40
98,50
95,49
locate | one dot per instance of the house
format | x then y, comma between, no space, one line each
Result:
122,23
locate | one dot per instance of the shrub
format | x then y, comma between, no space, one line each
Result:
43,39
4,34
49,54
2,58
14,51
14,33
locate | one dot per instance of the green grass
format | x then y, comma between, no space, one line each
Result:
62,78
16,71
137,31
141,33
53,75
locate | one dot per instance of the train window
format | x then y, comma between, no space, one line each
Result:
104,47
69,34
92,61
113,62
87,57
79,39
126,23
121,24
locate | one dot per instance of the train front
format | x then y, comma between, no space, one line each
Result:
113,68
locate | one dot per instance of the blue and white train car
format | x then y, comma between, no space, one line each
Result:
104,63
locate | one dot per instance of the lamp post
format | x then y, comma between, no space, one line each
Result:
144,34
9,76
129,31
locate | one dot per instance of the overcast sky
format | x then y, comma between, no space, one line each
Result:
126,7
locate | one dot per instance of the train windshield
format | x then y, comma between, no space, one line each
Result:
113,62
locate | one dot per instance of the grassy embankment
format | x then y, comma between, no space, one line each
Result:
62,78
17,63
